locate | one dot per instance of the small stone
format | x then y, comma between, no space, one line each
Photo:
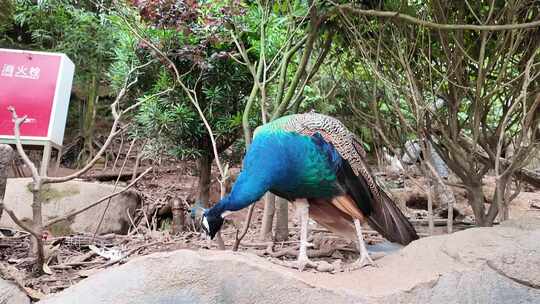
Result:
324,266
337,264
88,272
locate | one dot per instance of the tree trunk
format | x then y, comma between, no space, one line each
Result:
282,220
500,198
177,216
268,216
204,166
448,199
88,119
37,222
430,195
476,200
6,157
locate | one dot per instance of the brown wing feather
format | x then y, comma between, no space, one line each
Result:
329,216
347,205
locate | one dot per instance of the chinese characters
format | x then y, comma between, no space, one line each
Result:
9,70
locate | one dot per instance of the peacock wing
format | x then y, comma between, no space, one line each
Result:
355,177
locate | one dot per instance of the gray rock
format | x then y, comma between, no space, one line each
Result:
524,223
413,154
197,277
11,294
480,286
523,269
69,196
502,265
478,265
324,266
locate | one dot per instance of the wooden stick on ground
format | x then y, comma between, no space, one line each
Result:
130,252
245,229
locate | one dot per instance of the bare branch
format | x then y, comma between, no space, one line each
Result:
308,49
429,24
17,129
238,238
117,114
19,223
115,185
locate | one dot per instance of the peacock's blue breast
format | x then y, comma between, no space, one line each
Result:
295,165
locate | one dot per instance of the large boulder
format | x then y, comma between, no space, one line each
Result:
11,294
492,265
479,265
70,196
482,285
191,277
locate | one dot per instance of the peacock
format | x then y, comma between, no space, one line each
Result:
314,161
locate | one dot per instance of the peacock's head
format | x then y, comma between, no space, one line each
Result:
211,223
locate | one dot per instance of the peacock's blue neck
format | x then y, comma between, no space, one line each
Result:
286,163
246,191
218,208
255,179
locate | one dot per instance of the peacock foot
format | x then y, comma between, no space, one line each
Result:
304,262
363,261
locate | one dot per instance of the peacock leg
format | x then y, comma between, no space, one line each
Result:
364,259
303,212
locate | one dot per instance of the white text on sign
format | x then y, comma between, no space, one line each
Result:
9,70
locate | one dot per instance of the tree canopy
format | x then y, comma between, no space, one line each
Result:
463,75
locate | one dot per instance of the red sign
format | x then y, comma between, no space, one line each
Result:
32,83
28,82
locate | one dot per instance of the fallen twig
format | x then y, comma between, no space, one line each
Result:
287,251
258,245
112,175
312,253
245,229
130,252
82,258
74,264
136,229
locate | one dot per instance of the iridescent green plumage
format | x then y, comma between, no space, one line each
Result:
297,166
314,157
